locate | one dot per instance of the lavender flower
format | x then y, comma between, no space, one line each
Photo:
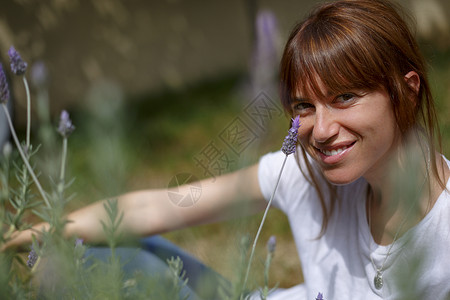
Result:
289,145
78,242
65,127
290,141
271,244
32,258
4,90
264,62
319,296
18,66
267,33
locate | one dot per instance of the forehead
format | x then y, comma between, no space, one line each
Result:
315,88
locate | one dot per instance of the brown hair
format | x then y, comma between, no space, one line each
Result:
359,44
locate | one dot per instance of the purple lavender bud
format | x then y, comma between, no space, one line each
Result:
264,61
18,66
39,74
319,296
78,242
267,35
65,127
290,141
32,258
4,90
271,244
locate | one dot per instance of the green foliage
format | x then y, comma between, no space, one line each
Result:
179,279
114,220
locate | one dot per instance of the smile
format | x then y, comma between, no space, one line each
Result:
334,151
335,155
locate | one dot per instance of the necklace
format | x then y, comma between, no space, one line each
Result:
378,279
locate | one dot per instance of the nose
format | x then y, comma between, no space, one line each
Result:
325,125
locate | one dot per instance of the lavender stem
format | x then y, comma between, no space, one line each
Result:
252,253
27,90
24,158
63,166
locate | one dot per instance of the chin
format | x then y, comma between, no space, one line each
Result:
340,177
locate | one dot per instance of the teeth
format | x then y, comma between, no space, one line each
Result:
333,152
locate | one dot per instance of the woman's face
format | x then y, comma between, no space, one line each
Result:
350,135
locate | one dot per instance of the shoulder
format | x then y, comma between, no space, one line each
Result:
272,164
276,170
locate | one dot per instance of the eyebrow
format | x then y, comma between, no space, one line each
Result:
328,94
299,99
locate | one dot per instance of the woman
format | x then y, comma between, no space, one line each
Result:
353,73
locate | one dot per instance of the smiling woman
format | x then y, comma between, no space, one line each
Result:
367,198
354,74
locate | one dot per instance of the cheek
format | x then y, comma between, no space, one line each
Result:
304,134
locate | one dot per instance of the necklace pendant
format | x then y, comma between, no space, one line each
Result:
378,280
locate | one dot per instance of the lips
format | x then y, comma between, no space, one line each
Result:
333,155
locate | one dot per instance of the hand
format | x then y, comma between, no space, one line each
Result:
19,240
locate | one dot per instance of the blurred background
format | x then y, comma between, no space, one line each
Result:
160,88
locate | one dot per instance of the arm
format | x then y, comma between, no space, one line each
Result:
150,212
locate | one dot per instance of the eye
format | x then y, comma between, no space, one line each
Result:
301,107
344,98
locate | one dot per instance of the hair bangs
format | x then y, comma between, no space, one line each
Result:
328,57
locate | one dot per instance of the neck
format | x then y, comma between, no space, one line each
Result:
396,197
386,217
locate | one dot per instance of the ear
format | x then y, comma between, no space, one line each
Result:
413,81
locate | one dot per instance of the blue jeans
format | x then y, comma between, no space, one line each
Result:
203,282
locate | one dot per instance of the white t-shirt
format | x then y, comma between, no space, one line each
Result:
338,264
